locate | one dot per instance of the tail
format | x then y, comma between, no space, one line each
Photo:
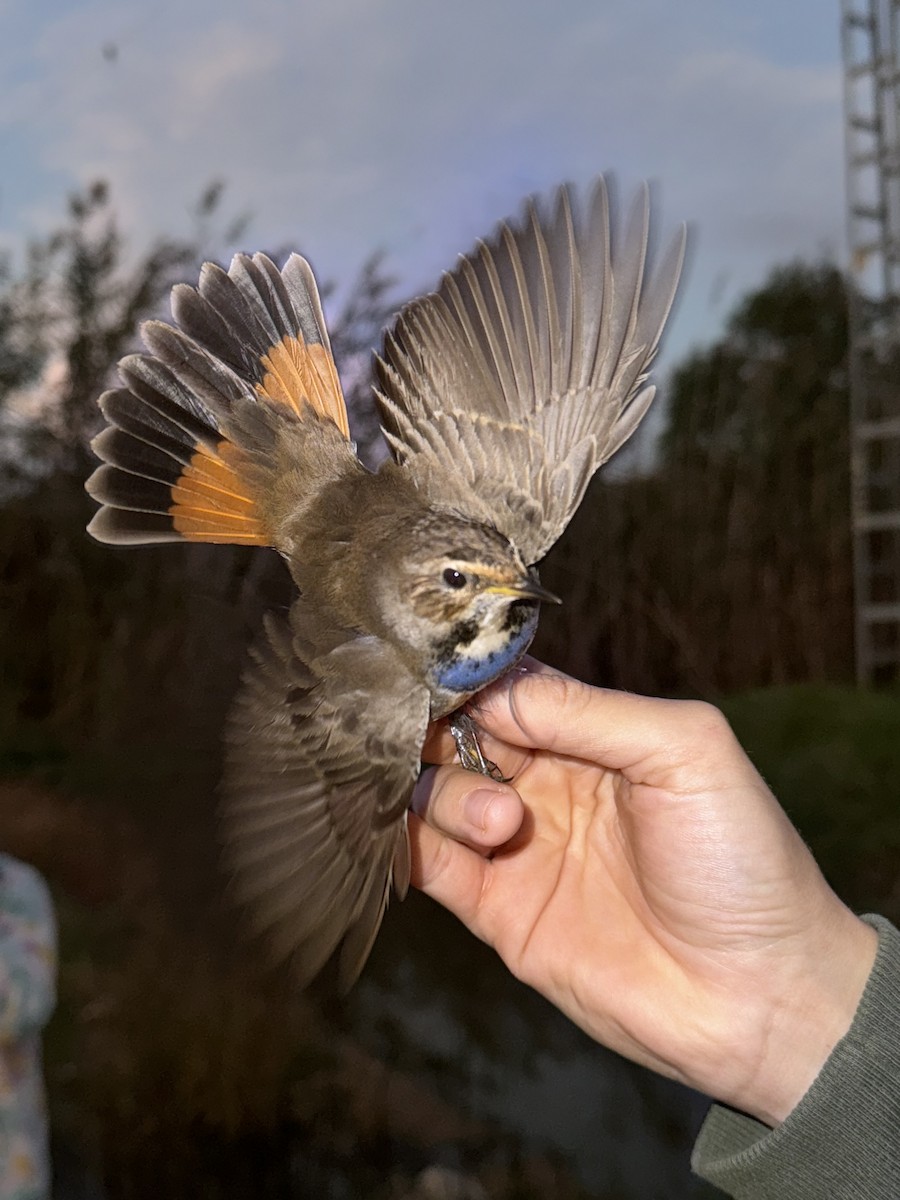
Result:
174,467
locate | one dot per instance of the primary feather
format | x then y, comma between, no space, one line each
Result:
527,369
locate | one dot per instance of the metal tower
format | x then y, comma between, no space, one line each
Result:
871,43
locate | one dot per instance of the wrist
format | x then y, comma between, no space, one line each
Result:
813,1009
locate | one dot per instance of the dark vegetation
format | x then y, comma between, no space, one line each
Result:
178,1065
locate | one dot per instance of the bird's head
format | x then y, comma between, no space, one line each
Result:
465,604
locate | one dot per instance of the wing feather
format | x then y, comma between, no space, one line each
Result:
506,389
324,746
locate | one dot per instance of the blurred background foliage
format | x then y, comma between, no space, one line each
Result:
177,1063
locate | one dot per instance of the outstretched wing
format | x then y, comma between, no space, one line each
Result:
324,747
506,389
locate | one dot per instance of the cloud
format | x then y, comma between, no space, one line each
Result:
414,125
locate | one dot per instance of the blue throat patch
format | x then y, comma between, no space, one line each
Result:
465,673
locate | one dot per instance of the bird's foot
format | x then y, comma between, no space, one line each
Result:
471,756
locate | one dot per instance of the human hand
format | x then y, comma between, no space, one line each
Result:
639,873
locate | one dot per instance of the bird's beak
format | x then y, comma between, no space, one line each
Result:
526,588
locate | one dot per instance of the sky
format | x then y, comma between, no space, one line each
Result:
414,125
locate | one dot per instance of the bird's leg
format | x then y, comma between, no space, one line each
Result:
471,756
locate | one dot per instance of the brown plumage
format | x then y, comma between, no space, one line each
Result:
500,395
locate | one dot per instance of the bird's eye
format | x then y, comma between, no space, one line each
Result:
454,578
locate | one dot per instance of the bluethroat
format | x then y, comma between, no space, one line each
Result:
499,396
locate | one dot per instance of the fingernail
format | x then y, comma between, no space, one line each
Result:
477,805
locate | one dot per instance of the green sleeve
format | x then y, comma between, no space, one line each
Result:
842,1141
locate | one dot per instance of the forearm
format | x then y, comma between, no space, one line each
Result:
842,1140
806,1004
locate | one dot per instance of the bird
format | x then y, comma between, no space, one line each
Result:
499,395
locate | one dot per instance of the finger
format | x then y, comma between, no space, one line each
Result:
440,746
469,807
446,870
639,735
